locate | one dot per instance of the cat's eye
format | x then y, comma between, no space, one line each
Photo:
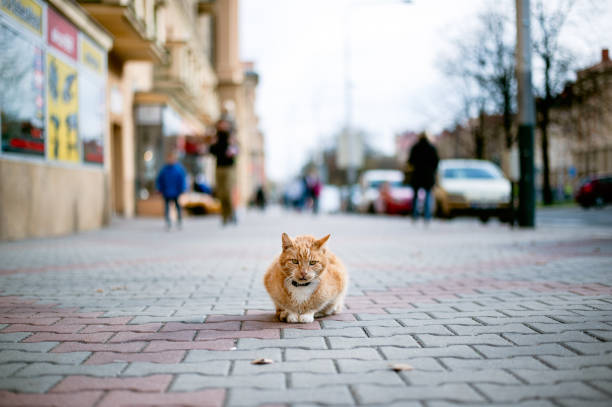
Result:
294,261
313,262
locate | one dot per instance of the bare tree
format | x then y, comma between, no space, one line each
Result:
548,24
485,64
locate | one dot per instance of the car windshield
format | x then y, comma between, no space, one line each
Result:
376,184
469,173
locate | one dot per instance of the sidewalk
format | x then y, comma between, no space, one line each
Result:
134,315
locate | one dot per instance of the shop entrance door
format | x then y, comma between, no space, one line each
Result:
117,170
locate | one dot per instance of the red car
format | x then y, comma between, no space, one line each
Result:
596,191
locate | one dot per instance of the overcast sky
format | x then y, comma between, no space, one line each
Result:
395,52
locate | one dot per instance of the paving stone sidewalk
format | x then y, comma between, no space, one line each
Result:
134,315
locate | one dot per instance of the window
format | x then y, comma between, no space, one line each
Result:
469,173
22,97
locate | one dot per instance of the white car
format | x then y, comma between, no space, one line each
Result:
371,182
472,187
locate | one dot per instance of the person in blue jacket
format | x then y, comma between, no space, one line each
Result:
171,182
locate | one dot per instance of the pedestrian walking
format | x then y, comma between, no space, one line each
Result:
171,182
313,188
424,162
225,150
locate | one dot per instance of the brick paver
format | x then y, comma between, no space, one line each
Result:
134,315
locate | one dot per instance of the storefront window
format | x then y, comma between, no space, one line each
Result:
92,103
22,97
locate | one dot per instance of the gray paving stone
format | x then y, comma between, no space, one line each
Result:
364,366
386,378
311,366
351,332
213,368
454,321
414,315
193,382
518,362
29,384
307,343
344,324
467,314
7,369
572,402
14,336
29,347
44,369
577,362
490,329
386,394
559,328
505,320
536,339
529,403
557,376
460,376
593,348
324,395
198,355
358,353
507,393
349,343
533,350
484,339
456,351
408,330
72,358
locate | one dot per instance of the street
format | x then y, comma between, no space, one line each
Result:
482,314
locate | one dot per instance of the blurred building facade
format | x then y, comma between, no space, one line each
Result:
54,167
104,90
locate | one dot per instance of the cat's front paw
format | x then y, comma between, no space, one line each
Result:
292,317
282,316
306,318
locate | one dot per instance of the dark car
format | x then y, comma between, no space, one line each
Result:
596,191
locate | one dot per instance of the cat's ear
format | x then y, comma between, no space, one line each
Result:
287,242
319,243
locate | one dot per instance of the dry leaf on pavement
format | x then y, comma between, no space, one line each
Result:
262,361
398,367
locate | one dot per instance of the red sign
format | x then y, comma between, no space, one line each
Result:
61,34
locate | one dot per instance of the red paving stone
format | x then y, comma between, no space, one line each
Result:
59,329
77,399
51,337
171,356
31,320
260,334
66,347
154,327
96,321
203,398
155,383
182,326
256,325
154,336
216,344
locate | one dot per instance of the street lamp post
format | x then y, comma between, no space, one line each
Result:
526,116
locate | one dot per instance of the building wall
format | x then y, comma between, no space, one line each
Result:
40,200
53,163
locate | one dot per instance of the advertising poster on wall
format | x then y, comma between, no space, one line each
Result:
92,102
22,97
62,110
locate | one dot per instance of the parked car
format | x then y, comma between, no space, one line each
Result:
596,191
197,203
472,187
382,191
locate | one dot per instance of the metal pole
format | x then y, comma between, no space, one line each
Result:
526,115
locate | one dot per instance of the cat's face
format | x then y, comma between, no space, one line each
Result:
303,258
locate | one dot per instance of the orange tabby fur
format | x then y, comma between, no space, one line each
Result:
321,276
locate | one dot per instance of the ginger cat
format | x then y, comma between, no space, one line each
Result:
306,280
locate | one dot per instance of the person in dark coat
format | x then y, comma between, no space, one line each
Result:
424,161
171,182
225,150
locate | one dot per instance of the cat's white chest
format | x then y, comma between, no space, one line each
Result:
301,294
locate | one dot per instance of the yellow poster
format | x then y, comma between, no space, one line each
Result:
91,56
28,12
63,110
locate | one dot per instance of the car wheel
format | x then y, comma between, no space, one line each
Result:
484,218
371,209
